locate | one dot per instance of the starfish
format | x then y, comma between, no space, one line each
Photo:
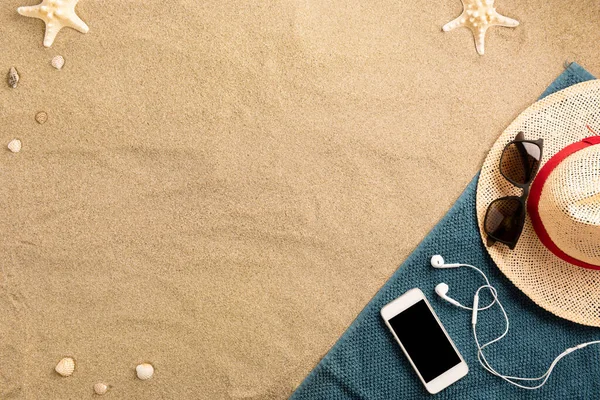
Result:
478,16
56,14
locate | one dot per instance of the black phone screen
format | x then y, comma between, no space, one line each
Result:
424,341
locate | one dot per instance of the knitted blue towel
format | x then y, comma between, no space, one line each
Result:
366,362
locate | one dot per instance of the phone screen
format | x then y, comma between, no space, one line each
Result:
424,341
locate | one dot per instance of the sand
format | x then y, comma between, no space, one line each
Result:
221,186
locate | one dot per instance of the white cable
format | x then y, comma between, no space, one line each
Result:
481,356
487,284
486,365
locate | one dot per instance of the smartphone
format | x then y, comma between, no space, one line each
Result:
424,341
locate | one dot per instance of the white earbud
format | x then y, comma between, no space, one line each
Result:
442,290
437,261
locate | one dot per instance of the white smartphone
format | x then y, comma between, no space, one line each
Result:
424,341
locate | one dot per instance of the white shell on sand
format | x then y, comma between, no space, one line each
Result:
58,62
12,77
41,117
14,145
100,388
144,371
65,367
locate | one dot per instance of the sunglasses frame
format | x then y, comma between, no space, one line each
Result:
491,239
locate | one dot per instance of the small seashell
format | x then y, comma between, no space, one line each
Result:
58,62
41,117
65,367
144,371
14,145
100,388
12,77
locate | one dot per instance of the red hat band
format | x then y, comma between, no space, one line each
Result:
536,193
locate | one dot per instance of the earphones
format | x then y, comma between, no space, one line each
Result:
442,290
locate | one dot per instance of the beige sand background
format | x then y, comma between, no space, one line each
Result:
223,185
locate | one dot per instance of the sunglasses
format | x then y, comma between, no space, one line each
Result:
505,217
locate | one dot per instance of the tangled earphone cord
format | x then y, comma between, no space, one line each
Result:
495,298
437,261
485,363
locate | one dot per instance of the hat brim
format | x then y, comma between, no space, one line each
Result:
566,290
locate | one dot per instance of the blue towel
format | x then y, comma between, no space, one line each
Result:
366,362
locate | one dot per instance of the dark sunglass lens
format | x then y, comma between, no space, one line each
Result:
504,219
520,161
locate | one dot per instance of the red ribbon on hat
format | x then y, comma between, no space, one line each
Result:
536,193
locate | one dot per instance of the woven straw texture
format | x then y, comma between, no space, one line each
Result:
366,363
569,206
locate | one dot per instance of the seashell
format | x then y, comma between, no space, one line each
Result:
144,371
41,117
14,145
12,77
100,388
58,62
65,367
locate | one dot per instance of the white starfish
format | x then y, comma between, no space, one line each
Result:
56,14
478,16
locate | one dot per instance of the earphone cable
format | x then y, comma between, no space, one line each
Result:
438,262
495,298
510,379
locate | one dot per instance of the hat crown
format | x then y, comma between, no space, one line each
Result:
558,279
569,205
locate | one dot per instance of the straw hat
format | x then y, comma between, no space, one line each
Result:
556,261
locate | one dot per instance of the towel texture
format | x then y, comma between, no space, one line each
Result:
366,363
